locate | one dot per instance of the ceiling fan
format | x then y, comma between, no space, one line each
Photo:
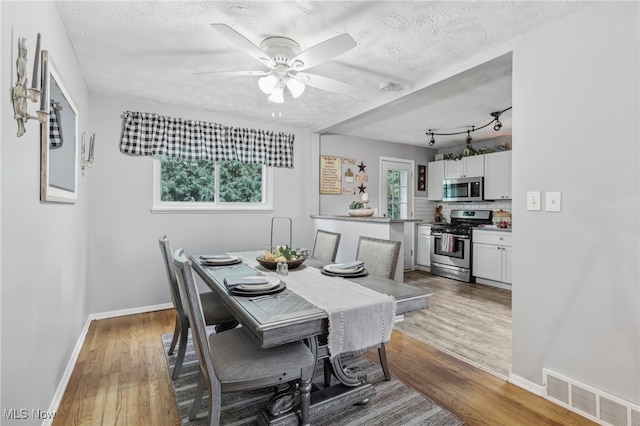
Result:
285,63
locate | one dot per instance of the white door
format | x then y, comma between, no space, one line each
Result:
396,198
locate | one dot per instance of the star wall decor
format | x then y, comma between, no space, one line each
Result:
362,188
361,166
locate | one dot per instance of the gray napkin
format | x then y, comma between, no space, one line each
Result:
222,256
231,282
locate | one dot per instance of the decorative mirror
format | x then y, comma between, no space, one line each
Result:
59,155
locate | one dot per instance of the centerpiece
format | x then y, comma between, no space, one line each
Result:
361,208
292,257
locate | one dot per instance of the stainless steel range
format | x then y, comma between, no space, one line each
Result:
451,244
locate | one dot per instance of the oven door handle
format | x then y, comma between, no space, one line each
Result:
462,237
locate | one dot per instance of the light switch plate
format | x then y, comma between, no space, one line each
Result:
553,201
533,200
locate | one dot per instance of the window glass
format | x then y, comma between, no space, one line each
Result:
206,185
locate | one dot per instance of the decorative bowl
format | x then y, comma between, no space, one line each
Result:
361,212
272,264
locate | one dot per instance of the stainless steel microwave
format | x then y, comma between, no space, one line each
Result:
463,189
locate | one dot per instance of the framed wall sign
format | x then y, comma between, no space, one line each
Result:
422,177
330,174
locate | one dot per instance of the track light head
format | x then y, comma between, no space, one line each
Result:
432,142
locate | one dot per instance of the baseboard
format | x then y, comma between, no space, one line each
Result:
498,284
64,381
130,311
525,384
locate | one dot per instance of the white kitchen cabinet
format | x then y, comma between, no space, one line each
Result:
492,255
423,257
497,176
435,176
472,166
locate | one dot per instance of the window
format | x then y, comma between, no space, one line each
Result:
203,185
397,190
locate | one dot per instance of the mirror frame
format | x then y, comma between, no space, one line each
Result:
49,192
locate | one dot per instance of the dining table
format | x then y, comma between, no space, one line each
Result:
299,313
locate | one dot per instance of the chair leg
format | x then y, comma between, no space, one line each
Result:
197,399
327,373
382,353
305,401
215,401
176,334
182,348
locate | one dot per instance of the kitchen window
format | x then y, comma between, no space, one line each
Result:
204,186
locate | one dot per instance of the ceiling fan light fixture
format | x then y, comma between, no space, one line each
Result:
277,96
268,83
295,87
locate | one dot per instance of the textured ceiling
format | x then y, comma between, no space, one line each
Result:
150,51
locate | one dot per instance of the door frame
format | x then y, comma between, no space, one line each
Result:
409,229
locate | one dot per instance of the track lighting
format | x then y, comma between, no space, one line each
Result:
497,126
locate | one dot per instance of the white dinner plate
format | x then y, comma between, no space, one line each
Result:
338,270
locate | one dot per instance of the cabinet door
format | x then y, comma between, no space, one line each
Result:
506,264
424,250
453,169
487,261
474,166
497,176
435,176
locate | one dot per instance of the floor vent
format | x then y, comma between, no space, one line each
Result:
589,402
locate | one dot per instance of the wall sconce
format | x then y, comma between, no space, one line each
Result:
86,159
496,127
21,92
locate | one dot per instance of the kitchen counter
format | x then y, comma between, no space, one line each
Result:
492,228
376,219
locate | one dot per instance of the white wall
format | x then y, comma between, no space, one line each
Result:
126,266
576,283
368,151
44,245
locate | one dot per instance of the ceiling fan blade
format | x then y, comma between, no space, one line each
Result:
240,41
235,72
324,83
324,51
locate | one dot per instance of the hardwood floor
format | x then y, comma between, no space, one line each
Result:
121,378
469,321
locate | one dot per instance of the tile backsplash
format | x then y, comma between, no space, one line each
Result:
425,209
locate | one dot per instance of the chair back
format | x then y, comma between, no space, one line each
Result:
326,245
165,249
193,307
380,256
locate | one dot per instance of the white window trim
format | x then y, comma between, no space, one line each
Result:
190,207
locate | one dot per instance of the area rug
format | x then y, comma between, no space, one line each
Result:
395,403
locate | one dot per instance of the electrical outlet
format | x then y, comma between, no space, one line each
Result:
553,201
533,200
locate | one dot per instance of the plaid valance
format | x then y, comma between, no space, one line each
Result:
55,135
152,134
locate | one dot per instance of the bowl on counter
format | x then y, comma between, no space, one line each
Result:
360,212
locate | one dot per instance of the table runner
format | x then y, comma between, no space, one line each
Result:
360,319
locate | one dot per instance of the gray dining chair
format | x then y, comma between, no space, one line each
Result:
214,310
380,258
234,361
326,245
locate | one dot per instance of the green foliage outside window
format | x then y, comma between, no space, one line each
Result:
393,194
194,181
